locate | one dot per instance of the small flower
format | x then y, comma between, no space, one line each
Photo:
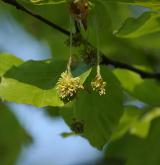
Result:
99,85
68,86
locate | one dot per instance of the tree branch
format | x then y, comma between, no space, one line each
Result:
44,20
117,64
104,60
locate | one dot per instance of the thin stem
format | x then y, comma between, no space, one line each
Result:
98,70
70,47
98,47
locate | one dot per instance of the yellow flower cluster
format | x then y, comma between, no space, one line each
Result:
68,86
99,85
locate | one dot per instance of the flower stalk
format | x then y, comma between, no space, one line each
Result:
67,85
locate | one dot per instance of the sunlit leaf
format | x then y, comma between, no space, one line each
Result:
34,82
146,90
135,27
7,61
136,122
131,150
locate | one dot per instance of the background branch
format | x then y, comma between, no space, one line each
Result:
44,20
107,61
104,59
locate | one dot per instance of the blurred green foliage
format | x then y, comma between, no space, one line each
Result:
12,136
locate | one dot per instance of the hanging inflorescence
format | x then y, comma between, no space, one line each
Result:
99,85
68,86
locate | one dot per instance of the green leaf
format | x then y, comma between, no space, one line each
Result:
136,122
34,82
42,74
146,90
141,127
83,75
111,16
128,119
147,23
131,150
7,61
12,136
98,115
15,91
